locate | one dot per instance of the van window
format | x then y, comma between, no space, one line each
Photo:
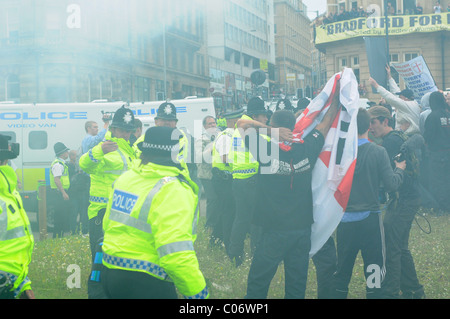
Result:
10,134
37,140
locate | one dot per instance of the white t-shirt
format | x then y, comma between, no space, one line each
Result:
57,170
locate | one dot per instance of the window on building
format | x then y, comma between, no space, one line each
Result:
394,57
37,140
355,67
12,87
12,25
342,63
142,89
410,56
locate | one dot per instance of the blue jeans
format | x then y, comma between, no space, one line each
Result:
293,248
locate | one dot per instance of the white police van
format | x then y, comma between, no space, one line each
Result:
37,127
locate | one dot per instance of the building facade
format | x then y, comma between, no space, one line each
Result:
347,50
240,40
294,56
66,51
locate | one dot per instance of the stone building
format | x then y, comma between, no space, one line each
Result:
348,49
294,59
79,51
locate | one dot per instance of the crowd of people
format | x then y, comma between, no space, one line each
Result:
137,194
355,12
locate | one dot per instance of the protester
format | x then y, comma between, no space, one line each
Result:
148,247
73,191
407,109
93,136
16,237
437,138
427,197
284,207
418,9
361,227
401,209
60,184
203,158
437,7
426,110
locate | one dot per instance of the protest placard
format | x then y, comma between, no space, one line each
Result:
417,76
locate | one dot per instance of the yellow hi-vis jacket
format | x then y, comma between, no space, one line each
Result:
16,237
104,170
244,165
65,179
150,226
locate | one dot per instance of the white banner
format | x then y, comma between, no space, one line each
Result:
417,76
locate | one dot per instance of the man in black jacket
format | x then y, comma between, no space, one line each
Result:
284,208
361,228
403,205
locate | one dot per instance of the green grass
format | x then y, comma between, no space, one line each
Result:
52,257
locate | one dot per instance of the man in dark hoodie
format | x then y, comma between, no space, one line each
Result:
437,139
361,227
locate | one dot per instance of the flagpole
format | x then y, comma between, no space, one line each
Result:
387,31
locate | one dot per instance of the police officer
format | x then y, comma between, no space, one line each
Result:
222,178
16,237
60,183
150,226
166,116
105,163
245,169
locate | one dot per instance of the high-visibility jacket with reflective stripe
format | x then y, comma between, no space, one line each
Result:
244,165
150,226
65,179
16,237
216,158
104,170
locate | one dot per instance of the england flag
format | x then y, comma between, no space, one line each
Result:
333,173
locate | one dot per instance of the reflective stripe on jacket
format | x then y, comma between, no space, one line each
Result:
150,225
16,237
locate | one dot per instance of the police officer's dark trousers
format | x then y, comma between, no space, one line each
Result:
124,284
244,191
61,213
96,231
225,210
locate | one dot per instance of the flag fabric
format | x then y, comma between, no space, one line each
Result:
333,173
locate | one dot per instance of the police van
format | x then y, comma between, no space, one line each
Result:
37,127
